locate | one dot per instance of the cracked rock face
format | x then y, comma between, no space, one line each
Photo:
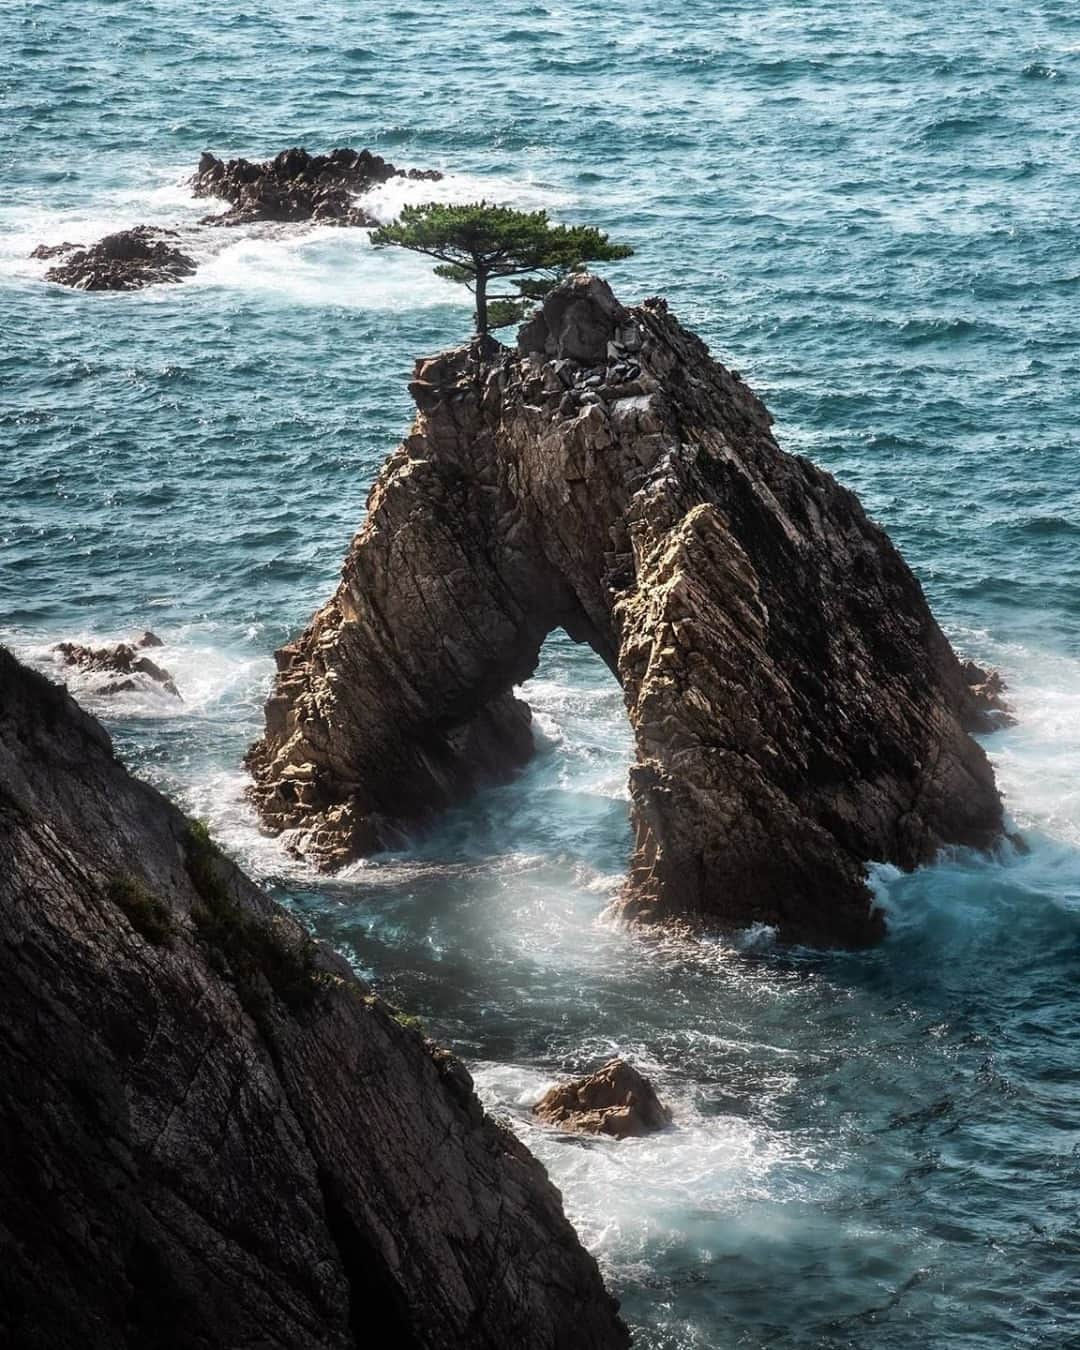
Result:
295,185
796,709
211,1134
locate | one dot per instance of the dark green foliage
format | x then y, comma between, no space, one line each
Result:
478,241
258,953
147,913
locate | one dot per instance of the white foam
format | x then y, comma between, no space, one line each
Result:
524,194
626,1196
164,200
205,673
319,265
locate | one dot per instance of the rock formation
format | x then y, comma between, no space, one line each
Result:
211,1134
615,1100
122,659
292,186
126,261
796,709
296,186
987,690
44,251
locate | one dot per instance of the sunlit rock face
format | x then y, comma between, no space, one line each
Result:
617,1100
211,1133
797,711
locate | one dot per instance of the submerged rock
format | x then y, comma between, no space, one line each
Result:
126,261
295,185
797,712
211,1134
615,1100
122,659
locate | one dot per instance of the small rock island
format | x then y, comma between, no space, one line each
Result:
796,709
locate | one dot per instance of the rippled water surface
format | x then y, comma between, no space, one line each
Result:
868,208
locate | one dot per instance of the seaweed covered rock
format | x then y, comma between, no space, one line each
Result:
212,1134
295,185
125,261
797,711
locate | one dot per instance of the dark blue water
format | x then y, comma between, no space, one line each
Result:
870,210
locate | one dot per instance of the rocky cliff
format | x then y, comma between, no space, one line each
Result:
796,709
211,1135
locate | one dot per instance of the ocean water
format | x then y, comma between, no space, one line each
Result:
868,208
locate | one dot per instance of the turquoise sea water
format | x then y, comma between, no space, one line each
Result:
870,210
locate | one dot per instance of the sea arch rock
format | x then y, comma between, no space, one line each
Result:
797,710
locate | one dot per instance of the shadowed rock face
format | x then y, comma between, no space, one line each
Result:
125,261
796,709
297,186
211,1134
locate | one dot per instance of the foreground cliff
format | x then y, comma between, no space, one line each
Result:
796,709
211,1135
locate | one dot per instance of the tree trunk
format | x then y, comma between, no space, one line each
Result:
481,302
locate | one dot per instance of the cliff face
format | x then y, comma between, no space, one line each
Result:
797,711
211,1135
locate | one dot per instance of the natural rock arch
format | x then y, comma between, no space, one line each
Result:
797,711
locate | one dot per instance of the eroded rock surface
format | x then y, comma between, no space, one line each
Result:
616,1100
126,669
295,185
125,261
797,711
211,1134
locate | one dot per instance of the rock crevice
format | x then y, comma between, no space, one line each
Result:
796,709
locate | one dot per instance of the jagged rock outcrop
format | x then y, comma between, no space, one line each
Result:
616,1100
211,1134
124,659
295,185
125,261
796,709
987,689
44,251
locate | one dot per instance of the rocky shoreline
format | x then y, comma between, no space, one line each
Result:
213,1133
797,711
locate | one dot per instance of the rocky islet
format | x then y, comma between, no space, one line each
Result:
293,186
797,711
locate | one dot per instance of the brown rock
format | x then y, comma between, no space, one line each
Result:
990,711
211,1133
296,186
797,711
615,1100
126,261
119,659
